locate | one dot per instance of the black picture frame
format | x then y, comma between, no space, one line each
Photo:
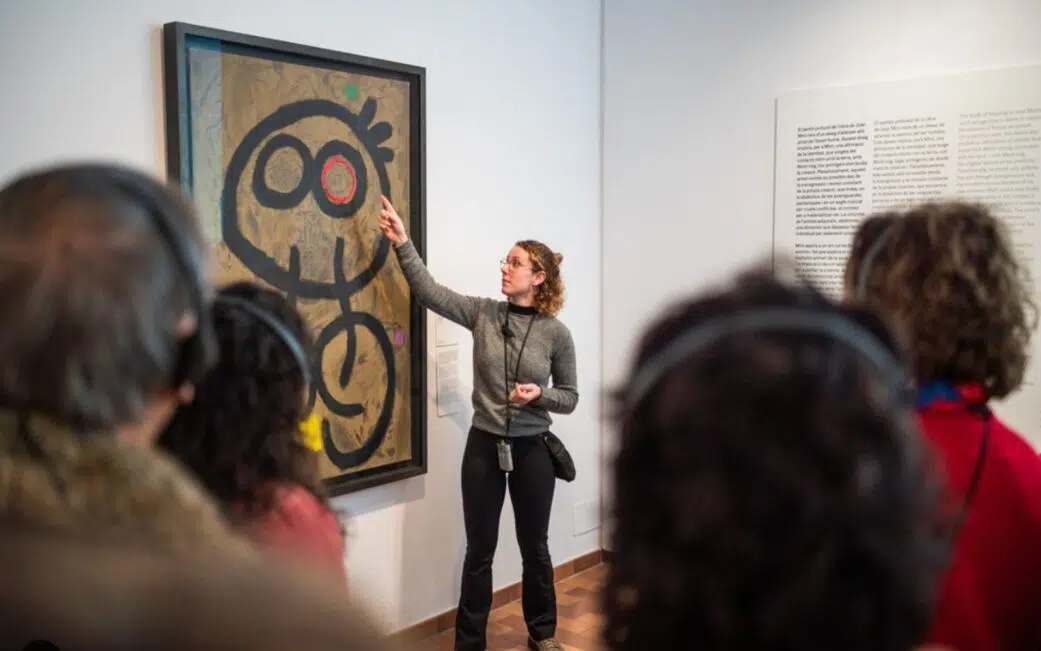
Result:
177,39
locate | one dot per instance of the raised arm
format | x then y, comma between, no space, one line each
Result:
562,397
450,304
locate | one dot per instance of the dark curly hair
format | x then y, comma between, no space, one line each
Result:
242,431
549,296
950,276
770,493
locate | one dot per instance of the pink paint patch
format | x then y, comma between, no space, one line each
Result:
399,338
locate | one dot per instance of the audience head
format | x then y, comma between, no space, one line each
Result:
868,244
243,430
103,292
532,270
950,277
771,491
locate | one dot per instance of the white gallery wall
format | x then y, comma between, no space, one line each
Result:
689,90
513,151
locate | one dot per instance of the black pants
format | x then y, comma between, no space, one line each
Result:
531,491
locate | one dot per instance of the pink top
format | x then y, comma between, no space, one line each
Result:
300,525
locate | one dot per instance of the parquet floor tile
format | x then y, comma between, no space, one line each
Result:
578,618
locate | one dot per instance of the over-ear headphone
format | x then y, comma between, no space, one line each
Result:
869,259
196,353
839,327
283,333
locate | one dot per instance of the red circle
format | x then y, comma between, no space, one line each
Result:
345,164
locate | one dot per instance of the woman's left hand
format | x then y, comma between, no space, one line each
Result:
522,394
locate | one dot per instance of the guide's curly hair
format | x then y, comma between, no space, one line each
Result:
242,430
770,493
951,277
549,296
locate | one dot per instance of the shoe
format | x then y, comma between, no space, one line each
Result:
549,644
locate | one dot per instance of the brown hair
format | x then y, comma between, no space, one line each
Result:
949,274
868,233
830,503
549,296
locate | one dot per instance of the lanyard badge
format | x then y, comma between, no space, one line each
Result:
505,456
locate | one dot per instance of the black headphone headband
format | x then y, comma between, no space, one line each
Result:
280,330
198,351
869,259
836,326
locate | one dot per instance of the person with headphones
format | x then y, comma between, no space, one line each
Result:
519,348
949,277
106,542
104,315
250,435
771,490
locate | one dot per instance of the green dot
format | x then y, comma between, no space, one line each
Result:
351,91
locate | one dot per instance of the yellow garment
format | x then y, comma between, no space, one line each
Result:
311,431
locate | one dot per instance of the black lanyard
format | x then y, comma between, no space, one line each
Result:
506,334
981,457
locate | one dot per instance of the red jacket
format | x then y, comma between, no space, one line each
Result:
990,598
300,525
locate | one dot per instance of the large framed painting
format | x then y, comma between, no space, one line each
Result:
286,150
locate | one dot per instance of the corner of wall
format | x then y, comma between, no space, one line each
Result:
604,466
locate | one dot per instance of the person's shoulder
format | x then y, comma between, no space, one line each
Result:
1016,471
293,500
106,487
181,506
215,597
297,520
1015,451
557,328
490,307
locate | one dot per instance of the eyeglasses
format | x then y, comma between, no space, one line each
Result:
512,263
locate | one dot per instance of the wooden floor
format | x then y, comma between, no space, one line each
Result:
578,624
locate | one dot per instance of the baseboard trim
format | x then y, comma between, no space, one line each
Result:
446,620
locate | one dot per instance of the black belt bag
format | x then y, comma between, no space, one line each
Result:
563,465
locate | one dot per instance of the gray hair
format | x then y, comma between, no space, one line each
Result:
91,292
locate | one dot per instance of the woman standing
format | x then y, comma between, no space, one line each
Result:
519,346
949,275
